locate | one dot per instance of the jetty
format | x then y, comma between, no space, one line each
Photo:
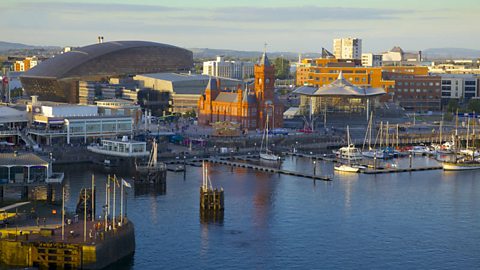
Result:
399,170
269,169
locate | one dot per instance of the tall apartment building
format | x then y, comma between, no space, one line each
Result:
372,60
25,64
347,48
228,69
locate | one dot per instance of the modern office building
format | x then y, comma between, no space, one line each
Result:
322,71
462,87
347,48
59,123
56,79
176,93
372,60
228,69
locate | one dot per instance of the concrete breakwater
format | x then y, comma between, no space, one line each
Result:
44,248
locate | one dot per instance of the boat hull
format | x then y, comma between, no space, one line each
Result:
346,168
271,157
460,167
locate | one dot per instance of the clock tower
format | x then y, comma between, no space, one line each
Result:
264,91
264,79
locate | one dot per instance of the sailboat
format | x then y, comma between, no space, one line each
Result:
468,162
349,153
372,152
266,153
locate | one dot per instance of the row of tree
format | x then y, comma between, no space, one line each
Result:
454,105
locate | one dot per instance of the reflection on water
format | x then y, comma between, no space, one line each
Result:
388,221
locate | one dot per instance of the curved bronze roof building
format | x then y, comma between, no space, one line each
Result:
57,78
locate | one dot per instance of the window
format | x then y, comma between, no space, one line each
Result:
446,82
399,83
470,82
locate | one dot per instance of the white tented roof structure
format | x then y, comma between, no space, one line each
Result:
340,87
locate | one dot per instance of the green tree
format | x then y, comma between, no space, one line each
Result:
453,106
282,68
190,114
473,105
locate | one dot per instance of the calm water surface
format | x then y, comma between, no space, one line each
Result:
419,220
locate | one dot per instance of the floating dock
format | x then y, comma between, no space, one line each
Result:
270,169
399,170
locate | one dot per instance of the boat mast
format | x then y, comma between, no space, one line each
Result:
397,136
387,135
381,134
468,132
473,135
441,131
348,144
368,135
266,135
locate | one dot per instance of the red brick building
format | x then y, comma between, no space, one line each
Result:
244,106
416,92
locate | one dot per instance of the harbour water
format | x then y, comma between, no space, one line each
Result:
418,220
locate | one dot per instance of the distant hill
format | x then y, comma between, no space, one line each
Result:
449,53
203,53
6,46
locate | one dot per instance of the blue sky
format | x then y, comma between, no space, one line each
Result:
294,25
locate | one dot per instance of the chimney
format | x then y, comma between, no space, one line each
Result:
34,100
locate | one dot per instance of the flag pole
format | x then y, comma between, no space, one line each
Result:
114,182
93,197
121,203
105,213
63,213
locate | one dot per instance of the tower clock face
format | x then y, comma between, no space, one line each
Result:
267,81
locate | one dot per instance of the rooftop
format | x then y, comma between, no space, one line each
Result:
340,87
27,159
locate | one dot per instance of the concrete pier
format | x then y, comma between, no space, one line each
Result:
44,248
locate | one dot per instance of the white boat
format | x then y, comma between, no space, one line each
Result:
460,166
419,150
374,154
349,152
266,153
120,148
469,152
346,168
270,156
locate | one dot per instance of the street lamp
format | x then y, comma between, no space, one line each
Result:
314,168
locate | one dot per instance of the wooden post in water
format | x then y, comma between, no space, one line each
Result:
93,197
85,216
63,212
